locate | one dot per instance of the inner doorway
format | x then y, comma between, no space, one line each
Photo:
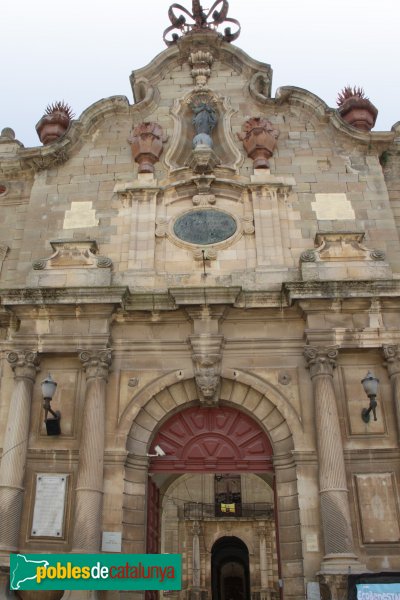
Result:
230,569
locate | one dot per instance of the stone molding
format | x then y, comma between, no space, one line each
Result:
260,87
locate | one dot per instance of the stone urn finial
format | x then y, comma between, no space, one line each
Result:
54,122
146,143
356,109
259,140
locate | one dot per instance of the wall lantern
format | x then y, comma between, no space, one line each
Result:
370,385
48,389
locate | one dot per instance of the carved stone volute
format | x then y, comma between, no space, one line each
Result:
96,363
321,360
25,364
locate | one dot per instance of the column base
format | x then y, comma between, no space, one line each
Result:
4,559
265,594
346,564
196,593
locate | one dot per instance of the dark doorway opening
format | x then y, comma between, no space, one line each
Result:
230,570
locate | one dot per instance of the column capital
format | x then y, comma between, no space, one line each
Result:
321,360
392,358
24,363
96,363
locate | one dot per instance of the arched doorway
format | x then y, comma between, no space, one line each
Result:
227,455
272,414
230,570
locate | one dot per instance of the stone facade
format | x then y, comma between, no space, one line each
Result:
254,268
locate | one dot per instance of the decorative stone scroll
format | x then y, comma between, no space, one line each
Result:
207,356
342,255
203,199
73,263
205,254
73,254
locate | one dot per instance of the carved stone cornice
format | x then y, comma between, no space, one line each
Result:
341,290
392,356
321,360
96,363
24,363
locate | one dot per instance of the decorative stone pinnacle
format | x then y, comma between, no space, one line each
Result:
202,21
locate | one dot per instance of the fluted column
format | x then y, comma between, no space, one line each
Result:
335,510
12,467
392,355
89,488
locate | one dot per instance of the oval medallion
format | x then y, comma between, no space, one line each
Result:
205,227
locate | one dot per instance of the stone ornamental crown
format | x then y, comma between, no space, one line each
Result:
203,20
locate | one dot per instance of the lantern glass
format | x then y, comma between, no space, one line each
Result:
370,384
48,387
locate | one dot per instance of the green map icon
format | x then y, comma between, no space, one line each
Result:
23,569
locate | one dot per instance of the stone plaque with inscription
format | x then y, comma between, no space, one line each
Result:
48,513
205,227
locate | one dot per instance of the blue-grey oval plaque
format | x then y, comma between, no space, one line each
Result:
205,227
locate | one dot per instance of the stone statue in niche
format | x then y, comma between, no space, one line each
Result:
204,120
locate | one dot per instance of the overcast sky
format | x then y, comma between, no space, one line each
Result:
83,50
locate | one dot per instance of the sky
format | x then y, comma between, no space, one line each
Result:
83,50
